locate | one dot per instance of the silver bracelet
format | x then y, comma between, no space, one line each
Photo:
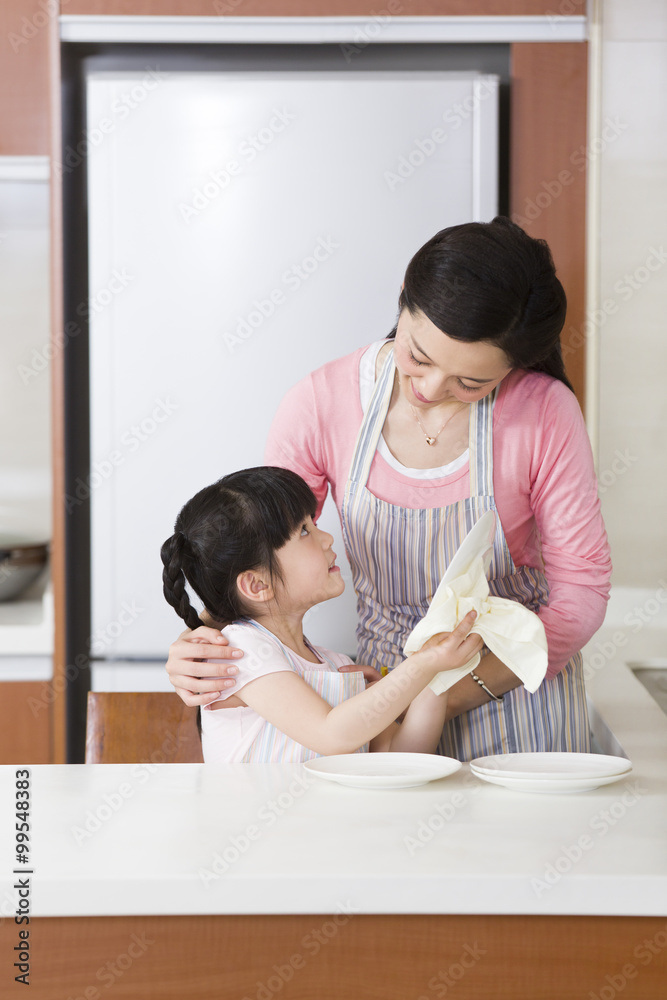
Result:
484,687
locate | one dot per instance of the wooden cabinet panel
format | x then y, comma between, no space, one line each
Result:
24,82
25,722
333,957
548,171
320,8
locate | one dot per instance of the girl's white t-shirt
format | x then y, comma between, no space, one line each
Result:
238,735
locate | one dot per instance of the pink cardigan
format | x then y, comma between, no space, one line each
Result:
544,483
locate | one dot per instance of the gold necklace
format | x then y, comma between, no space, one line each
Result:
431,439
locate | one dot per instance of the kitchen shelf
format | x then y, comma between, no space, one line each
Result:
26,626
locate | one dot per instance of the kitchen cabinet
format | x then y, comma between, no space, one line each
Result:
26,670
313,8
25,32
25,719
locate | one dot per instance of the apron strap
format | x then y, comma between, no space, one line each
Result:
372,424
480,438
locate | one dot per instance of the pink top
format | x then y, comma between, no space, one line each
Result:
544,480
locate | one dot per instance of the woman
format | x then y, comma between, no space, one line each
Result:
465,408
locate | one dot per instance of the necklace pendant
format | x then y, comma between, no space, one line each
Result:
430,440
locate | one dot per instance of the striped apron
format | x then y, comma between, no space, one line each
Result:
267,744
398,556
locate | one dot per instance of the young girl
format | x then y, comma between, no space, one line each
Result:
249,548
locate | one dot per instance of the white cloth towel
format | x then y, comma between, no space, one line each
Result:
514,633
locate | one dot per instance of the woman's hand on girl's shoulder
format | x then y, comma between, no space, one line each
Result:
371,675
196,685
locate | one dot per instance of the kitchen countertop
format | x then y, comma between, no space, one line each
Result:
250,838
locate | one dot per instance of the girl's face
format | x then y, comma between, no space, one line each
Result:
433,368
308,565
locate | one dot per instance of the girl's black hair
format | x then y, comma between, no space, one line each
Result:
234,525
490,281
237,524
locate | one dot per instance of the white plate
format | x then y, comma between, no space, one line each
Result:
549,786
382,770
478,542
551,766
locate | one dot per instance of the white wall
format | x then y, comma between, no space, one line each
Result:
633,268
25,448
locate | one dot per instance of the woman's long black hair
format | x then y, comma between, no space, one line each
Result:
237,524
490,281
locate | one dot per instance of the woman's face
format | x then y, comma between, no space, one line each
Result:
433,368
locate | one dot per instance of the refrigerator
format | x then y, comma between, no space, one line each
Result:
244,228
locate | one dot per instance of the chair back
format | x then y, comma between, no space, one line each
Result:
128,727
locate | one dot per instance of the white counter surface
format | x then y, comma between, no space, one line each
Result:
146,839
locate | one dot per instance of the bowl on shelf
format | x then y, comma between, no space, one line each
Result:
22,559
